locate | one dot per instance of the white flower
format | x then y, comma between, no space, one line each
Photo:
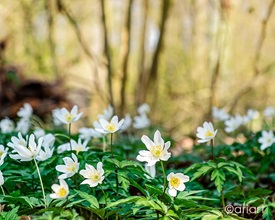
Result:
110,127
176,182
206,133
157,150
219,114
250,115
107,113
88,133
267,139
45,153
60,191
1,179
97,126
48,140
141,122
25,111
38,132
6,125
151,170
127,123
23,125
68,117
143,109
56,120
3,154
63,147
79,146
93,176
70,168
233,123
17,141
27,153
269,112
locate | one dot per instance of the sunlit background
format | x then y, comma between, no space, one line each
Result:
180,56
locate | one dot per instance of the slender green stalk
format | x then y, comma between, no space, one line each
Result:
223,203
164,180
3,191
212,149
112,145
70,135
104,144
42,186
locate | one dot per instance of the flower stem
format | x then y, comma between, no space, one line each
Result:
104,144
164,180
42,186
3,191
70,136
212,149
112,145
223,203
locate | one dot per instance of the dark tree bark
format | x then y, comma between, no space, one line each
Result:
125,49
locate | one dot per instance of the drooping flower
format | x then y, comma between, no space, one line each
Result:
68,117
1,179
60,191
141,122
79,146
157,150
28,153
3,154
107,113
25,111
110,127
126,124
88,133
39,132
206,133
63,147
233,123
143,109
219,114
23,125
269,112
45,153
176,183
48,140
93,176
56,120
6,125
151,170
267,139
70,168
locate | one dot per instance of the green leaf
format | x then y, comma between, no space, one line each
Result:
91,199
12,214
123,201
204,169
219,178
267,213
232,170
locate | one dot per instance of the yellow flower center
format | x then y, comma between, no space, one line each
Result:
78,149
1,153
69,117
95,177
111,127
156,151
61,192
175,182
71,167
209,134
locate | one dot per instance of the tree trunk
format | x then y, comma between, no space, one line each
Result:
125,49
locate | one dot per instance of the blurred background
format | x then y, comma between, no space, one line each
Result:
180,56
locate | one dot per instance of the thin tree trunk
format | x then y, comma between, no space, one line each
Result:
106,53
152,79
140,89
51,34
125,49
256,72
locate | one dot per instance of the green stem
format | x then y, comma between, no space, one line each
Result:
104,144
70,136
164,180
42,186
223,202
112,145
212,149
3,191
